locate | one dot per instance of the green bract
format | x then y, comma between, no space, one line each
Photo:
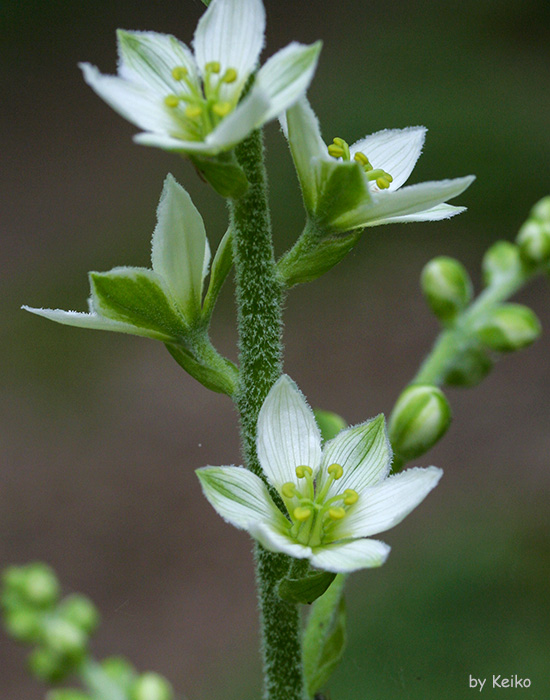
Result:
192,102
335,497
360,185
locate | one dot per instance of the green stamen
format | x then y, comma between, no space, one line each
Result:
179,72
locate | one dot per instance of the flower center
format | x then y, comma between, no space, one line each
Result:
313,515
200,106
340,149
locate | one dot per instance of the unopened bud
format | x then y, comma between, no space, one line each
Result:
541,210
502,260
40,586
330,424
48,666
120,671
533,240
468,368
23,624
151,686
65,639
80,611
67,694
509,327
419,419
446,286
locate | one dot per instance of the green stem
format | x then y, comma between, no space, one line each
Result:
259,297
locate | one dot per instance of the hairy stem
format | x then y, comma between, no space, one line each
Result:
259,296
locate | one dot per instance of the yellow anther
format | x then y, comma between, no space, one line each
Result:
350,497
339,142
288,490
213,67
362,159
230,75
336,513
335,151
179,72
382,182
222,109
336,471
193,111
302,513
171,101
302,470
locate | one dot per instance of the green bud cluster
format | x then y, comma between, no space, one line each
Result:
533,238
34,615
419,419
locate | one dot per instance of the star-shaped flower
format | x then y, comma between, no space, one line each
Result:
335,497
191,102
348,187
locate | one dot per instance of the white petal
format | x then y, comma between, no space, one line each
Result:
302,130
288,436
231,32
437,213
277,540
133,102
344,557
239,496
393,150
179,244
382,506
148,59
286,76
94,321
403,202
363,452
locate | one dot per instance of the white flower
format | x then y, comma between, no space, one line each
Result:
335,497
162,302
385,158
190,102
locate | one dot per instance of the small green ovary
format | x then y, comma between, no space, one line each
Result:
340,149
199,107
312,514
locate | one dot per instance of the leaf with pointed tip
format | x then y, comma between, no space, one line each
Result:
221,265
305,590
228,179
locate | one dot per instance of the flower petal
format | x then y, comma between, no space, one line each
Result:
133,102
393,150
239,496
288,435
277,540
403,202
301,128
179,247
437,213
95,322
381,507
363,452
148,58
286,76
344,557
232,33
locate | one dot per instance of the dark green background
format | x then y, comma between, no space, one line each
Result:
100,433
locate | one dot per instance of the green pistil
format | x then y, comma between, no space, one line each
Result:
340,149
311,514
200,108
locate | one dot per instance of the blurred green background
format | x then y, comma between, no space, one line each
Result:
100,433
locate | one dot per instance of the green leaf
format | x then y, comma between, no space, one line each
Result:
305,590
221,265
313,260
227,178
325,636
220,375
137,296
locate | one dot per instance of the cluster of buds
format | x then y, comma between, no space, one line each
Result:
533,238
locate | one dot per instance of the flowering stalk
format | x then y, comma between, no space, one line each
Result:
259,296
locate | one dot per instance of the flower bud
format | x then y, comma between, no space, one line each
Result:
509,327
65,639
419,419
446,286
330,424
541,210
67,694
120,671
80,611
151,686
502,260
23,624
533,240
468,368
48,666
40,586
